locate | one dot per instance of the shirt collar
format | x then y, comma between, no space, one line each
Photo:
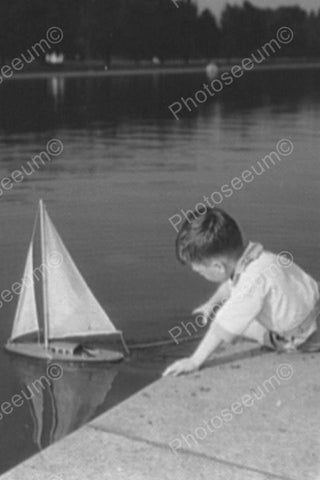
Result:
252,252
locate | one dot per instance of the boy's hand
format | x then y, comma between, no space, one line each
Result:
185,365
204,310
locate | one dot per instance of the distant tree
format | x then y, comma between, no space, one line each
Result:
133,28
208,35
106,19
167,39
297,20
313,34
187,30
246,28
142,29
233,36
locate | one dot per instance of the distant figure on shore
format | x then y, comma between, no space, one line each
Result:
54,58
262,296
212,70
156,61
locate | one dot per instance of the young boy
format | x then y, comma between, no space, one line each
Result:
266,297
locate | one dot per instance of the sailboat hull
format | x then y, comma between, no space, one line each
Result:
64,353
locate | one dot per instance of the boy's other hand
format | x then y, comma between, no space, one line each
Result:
205,310
185,365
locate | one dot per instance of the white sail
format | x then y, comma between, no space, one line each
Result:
72,308
26,318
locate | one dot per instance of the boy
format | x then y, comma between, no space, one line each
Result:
268,298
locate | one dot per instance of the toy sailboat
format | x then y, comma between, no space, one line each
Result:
69,309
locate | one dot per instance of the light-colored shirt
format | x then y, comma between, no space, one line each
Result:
272,290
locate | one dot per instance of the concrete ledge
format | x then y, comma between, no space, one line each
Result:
171,429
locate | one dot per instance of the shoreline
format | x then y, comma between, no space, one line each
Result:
161,70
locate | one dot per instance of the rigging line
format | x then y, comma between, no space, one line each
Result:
34,229
44,279
159,343
35,225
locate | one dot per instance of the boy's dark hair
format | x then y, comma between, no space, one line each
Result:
203,236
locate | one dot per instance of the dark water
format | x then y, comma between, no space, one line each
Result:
127,167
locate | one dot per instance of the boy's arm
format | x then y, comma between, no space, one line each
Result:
231,320
211,341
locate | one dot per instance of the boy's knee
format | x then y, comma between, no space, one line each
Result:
267,340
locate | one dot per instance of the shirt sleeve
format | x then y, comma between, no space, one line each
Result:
243,306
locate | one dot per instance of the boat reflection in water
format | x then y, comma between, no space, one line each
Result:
61,399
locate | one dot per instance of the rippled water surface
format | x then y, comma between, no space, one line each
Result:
127,167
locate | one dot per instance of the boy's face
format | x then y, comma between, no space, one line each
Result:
215,270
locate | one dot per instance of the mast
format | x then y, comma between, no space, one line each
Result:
44,280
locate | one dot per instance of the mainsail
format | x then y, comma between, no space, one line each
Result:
26,318
72,308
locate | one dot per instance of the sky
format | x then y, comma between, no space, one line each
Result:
218,5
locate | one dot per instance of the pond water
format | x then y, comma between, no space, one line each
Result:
128,166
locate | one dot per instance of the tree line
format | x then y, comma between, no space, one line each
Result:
146,29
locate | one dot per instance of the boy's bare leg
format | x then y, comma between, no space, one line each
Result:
259,333
313,342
